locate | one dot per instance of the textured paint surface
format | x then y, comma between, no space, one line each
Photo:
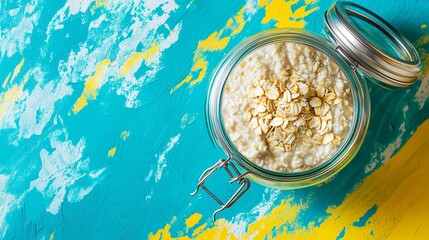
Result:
92,85
399,210
103,135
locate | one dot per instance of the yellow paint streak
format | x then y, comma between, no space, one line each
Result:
216,41
424,26
279,216
5,81
9,97
52,236
152,51
193,219
201,66
137,57
240,22
186,80
283,214
80,103
213,42
423,50
125,135
98,4
165,234
92,85
199,229
281,12
398,189
219,231
228,23
15,73
423,40
17,70
111,153
275,10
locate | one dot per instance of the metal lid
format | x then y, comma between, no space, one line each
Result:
371,44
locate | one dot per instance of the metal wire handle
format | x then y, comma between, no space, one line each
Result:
235,175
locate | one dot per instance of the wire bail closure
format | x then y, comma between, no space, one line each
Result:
235,175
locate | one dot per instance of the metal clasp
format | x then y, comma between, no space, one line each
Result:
235,175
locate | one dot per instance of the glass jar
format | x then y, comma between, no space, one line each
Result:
363,45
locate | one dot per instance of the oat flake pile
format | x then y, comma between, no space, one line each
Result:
287,107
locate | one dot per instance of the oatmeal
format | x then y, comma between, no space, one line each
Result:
287,107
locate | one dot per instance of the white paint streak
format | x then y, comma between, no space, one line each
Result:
96,174
152,4
78,6
145,24
149,196
385,154
65,172
97,22
162,162
372,163
137,24
251,7
34,109
405,110
149,175
13,12
16,38
187,119
266,204
240,222
8,202
422,94
57,20
39,105
391,148
70,8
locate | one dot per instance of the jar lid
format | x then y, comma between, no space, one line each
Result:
372,45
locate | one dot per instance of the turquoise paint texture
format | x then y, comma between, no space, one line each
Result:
55,172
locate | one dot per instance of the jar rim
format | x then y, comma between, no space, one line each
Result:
356,132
